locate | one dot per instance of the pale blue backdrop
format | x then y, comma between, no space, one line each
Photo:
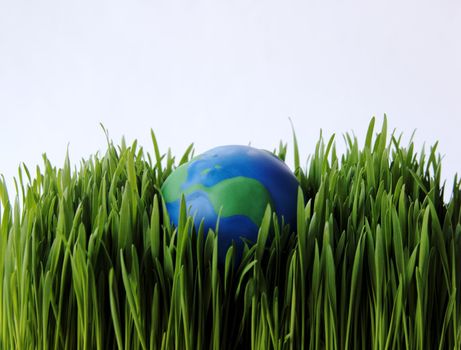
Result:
224,72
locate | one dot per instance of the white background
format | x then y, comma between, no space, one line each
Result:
224,72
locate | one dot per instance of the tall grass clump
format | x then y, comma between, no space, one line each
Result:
89,260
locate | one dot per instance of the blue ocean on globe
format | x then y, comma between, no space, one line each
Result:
238,180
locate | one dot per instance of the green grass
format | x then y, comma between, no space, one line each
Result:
88,258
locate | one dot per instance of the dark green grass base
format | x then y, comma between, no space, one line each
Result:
89,261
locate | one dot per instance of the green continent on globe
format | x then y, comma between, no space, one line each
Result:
171,188
238,195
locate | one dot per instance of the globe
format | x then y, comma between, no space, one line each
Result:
238,180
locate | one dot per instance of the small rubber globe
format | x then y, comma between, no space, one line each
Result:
239,180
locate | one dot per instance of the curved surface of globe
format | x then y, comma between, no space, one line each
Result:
238,180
